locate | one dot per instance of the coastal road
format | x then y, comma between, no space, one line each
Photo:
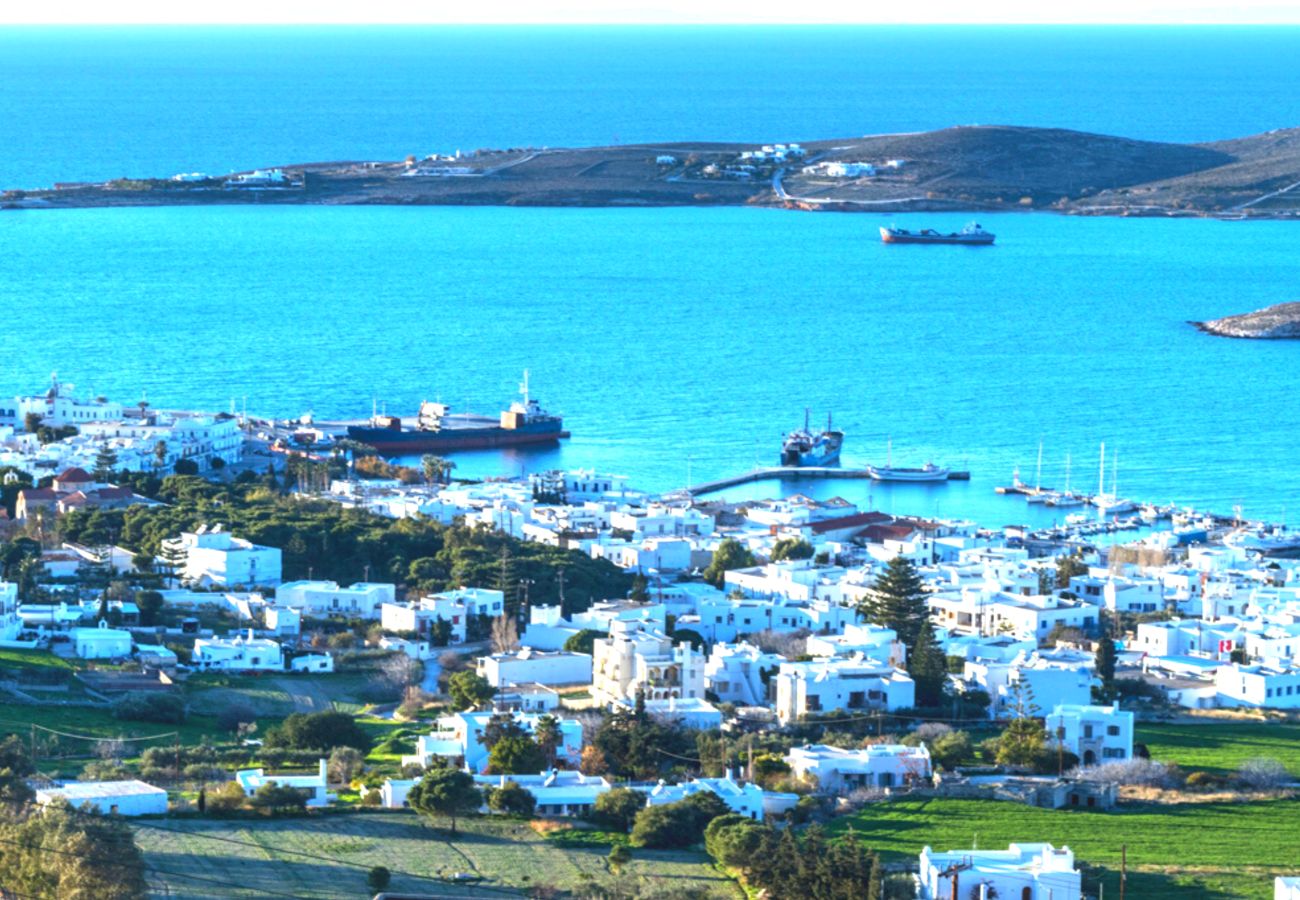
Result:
1268,196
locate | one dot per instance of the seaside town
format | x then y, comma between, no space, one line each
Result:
561,685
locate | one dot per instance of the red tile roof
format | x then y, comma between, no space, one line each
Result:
839,523
74,475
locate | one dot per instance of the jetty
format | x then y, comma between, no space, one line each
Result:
788,473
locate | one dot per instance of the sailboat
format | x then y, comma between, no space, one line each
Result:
1065,499
1110,504
1038,495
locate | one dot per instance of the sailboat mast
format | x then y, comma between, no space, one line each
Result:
1067,474
1114,475
1101,475
1038,476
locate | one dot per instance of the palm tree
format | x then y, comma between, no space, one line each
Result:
437,469
547,735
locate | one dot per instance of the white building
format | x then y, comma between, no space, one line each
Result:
100,642
10,625
849,684
690,713
735,673
559,792
325,598
1021,872
314,663
745,799
635,658
540,667
1043,683
242,653
112,798
1286,887
453,607
213,556
314,785
457,737
57,407
1270,687
877,766
281,620
1095,734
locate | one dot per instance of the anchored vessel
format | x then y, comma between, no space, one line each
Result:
804,448
888,472
438,430
971,234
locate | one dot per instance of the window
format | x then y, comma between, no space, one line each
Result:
1087,731
1112,730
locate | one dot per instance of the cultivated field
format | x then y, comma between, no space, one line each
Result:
329,857
1222,748
1211,851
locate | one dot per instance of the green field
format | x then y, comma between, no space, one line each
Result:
40,659
328,857
1212,851
1222,748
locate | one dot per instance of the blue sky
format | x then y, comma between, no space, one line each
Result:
652,12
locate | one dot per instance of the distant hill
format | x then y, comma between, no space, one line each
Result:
985,167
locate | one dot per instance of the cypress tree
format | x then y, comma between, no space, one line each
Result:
897,601
928,667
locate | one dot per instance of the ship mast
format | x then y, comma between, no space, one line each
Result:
523,387
1101,475
1038,477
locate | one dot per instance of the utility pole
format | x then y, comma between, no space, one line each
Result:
1123,870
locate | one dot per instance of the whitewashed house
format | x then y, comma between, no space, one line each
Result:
537,666
454,607
852,684
325,598
213,556
1095,734
743,798
314,785
10,625
100,642
111,798
241,653
735,673
878,766
457,737
282,621
1021,872
636,658
1260,686
559,792
312,663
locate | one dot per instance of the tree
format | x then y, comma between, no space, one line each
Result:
160,454
791,548
593,761
679,824
505,634
32,422
151,605
582,642
105,464
619,856
616,809
15,768
516,755
378,878
547,734
66,853
469,690
345,764
897,601
731,554
512,799
733,839
185,467
276,799
1023,741
318,731
1068,567
928,667
1106,661
950,750
446,793
437,470
640,592
440,632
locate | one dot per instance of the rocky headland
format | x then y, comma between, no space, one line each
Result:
1278,322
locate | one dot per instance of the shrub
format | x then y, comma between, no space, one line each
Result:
150,707
277,799
1205,781
583,641
233,715
616,809
1263,774
344,764
949,750
679,824
318,731
1142,772
226,799
378,878
512,799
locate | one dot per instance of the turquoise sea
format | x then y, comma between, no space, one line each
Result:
680,342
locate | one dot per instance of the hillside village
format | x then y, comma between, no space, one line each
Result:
754,678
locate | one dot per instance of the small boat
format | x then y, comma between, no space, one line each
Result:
972,235
928,472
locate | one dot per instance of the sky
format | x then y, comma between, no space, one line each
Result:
563,12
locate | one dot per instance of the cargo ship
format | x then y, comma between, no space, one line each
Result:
437,430
804,448
972,234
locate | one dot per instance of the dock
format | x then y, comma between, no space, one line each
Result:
785,473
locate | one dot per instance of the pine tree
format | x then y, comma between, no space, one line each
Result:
1106,660
928,667
105,464
897,601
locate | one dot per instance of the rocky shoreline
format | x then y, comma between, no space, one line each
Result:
1279,322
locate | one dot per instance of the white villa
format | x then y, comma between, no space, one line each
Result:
241,653
325,598
1095,734
1021,872
638,658
877,766
252,779
213,556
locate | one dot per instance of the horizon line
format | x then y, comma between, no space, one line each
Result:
1293,22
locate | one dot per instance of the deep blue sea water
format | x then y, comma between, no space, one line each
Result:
677,340
94,103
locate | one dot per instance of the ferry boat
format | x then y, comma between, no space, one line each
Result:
437,430
972,234
804,448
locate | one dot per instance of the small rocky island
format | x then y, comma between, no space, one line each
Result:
1273,323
